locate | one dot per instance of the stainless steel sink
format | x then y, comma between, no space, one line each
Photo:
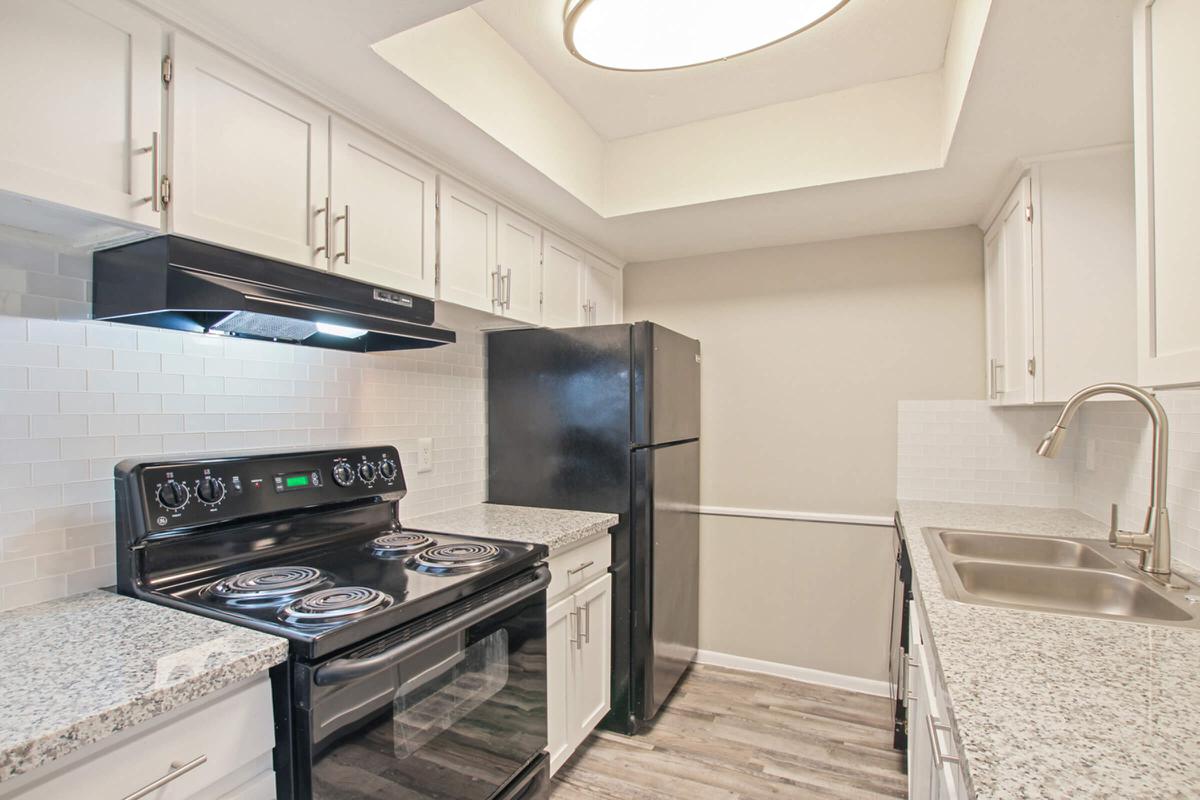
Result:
1024,549
1061,575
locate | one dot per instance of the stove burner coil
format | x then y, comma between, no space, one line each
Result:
454,558
335,603
268,583
400,543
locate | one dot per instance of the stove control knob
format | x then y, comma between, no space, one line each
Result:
387,468
366,471
210,490
343,474
173,495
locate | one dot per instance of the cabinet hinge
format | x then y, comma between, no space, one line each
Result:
164,191
166,70
1029,213
1031,366
541,299
437,202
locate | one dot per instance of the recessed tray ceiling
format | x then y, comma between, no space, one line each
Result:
872,91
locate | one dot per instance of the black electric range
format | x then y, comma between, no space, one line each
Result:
417,666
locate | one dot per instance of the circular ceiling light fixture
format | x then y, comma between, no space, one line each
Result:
644,35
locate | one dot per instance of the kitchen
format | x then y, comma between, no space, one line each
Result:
521,399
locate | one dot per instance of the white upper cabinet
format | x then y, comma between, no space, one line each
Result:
562,283
1008,270
1167,159
519,258
82,99
249,158
601,293
468,274
383,212
1059,279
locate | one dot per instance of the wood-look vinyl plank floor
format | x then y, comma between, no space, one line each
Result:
730,735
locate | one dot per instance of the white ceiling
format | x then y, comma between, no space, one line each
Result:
1050,75
865,42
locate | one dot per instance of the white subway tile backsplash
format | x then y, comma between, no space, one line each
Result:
970,452
77,396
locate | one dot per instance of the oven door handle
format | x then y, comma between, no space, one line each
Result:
342,670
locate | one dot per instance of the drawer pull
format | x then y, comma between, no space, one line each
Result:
177,771
581,567
938,757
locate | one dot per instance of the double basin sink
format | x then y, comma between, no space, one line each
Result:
1084,577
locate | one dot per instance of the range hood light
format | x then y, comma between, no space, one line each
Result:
340,330
642,35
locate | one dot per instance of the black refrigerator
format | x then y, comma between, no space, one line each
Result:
607,418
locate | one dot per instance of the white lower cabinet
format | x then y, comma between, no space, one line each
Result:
578,647
216,748
934,766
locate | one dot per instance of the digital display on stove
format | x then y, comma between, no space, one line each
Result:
293,481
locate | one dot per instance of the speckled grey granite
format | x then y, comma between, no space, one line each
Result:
1056,706
552,527
76,670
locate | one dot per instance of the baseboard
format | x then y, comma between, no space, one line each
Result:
836,680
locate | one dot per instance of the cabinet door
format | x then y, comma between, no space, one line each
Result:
386,200
1008,274
920,747
249,158
562,283
82,104
593,657
602,293
467,248
519,256
561,622
1167,165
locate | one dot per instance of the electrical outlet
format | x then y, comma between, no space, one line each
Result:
1089,457
425,454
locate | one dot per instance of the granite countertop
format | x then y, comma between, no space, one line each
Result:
553,527
82,668
1051,705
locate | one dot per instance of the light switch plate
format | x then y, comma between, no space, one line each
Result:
425,454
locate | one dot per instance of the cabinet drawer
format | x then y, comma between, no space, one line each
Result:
228,731
571,569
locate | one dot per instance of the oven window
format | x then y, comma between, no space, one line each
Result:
455,721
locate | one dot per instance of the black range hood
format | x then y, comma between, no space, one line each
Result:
186,285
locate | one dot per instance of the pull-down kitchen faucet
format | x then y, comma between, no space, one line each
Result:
1153,544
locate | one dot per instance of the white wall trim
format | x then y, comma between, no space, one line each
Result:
800,516
851,683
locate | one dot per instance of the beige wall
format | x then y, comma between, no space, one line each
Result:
807,349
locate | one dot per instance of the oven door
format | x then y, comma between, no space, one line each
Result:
452,706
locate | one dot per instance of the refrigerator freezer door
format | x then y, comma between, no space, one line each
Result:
666,376
671,550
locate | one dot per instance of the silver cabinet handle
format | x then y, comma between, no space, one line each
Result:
587,630
324,248
177,770
343,217
938,757
508,288
154,195
578,640
581,567
497,293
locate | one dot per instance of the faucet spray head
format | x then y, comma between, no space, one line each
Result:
1052,442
